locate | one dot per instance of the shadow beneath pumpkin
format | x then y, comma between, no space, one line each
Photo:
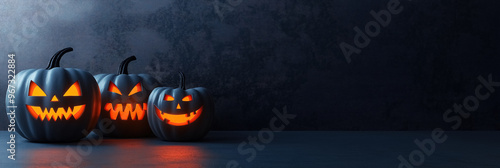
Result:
58,143
93,138
222,137
143,137
218,137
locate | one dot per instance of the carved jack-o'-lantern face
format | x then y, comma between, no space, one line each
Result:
126,111
183,116
180,114
124,98
59,112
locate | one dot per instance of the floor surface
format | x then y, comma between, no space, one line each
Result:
282,149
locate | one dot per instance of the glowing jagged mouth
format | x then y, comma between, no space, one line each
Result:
136,113
60,113
179,119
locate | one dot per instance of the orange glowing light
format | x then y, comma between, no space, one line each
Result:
168,98
74,90
136,113
35,90
54,99
187,98
179,119
59,113
137,88
112,88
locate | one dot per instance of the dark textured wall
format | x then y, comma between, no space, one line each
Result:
256,55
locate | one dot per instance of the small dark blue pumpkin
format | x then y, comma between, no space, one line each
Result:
180,114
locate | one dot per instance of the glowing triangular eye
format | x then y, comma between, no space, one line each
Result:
168,98
112,88
137,88
74,90
35,90
187,98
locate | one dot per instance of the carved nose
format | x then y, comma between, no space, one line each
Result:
54,99
178,106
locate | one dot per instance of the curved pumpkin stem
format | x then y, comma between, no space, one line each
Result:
124,65
56,58
182,84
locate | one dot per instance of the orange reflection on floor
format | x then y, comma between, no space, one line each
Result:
127,143
167,155
178,156
119,153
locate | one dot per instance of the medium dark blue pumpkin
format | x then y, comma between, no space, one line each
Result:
56,104
180,114
124,101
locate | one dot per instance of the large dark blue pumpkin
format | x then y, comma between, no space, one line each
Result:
56,104
180,114
124,101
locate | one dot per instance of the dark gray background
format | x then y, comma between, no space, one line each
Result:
261,55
